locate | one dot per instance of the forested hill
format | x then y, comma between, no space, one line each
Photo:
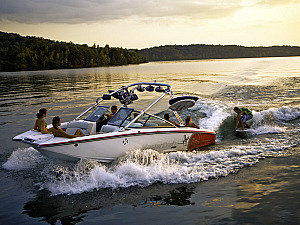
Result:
34,53
193,52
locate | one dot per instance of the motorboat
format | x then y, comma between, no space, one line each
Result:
108,139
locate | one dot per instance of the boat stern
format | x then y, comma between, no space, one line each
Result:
33,137
198,140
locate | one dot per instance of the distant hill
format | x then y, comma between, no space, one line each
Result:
35,53
194,52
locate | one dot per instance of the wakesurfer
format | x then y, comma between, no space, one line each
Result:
243,116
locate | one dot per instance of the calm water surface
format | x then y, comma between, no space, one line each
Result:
251,179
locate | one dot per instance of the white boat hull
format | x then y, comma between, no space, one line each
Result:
107,147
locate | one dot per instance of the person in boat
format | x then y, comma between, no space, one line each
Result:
135,115
58,132
243,115
167,117
114,110
40,124
188,122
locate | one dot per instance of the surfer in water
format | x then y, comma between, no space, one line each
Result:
243,116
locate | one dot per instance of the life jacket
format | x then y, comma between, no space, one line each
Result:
246,111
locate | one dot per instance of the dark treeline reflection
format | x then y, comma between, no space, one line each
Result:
72,209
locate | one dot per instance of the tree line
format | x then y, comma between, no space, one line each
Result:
201,51
36,53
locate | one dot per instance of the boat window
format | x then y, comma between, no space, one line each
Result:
137,123
120,116
153,121
96,115
146,120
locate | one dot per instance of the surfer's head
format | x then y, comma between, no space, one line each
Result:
237,109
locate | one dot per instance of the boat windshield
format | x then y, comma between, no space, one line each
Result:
125,115
120,116
97,114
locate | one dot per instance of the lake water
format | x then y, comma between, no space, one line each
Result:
251,179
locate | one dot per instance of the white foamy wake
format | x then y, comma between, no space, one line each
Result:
285,113
266,121
215,113
23,159
265,130
143,168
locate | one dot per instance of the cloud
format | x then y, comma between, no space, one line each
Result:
86,11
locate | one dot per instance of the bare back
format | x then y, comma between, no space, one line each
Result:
40,125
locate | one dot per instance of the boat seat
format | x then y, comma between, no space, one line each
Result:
109,128
87,127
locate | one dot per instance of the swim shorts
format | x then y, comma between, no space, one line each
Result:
244,118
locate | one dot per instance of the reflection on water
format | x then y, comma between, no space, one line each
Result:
269,193
71,209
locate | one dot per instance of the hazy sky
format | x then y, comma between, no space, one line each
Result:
148,23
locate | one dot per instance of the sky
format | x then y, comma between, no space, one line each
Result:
147,23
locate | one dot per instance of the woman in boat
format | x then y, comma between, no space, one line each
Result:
188,122
40,124
58,132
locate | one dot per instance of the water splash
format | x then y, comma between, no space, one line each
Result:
215,113
144,168
285,113
23,159
269,121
